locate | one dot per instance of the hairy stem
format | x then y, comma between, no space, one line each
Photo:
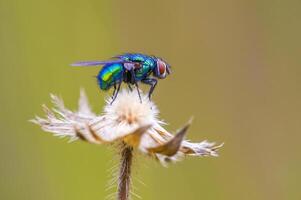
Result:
124,179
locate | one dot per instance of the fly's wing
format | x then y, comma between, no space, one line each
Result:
95,63
129,65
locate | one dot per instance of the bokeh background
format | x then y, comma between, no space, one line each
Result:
236,69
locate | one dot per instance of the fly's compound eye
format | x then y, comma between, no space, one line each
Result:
161,69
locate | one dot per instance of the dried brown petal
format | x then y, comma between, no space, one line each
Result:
133,139
171,147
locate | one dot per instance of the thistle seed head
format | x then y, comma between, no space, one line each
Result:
126,121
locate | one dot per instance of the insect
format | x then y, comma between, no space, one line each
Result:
129,68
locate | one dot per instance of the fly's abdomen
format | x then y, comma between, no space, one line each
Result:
109,75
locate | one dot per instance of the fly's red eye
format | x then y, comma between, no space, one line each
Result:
162,67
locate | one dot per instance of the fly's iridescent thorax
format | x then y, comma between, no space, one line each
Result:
148,63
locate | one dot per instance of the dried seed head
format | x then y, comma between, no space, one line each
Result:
127,120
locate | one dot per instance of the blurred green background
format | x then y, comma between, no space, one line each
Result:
236,69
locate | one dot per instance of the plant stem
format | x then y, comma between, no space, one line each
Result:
124,179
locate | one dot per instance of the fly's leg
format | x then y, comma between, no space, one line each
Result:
116,93
152,82
126,79
136,84
130,87
114,90
133,81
